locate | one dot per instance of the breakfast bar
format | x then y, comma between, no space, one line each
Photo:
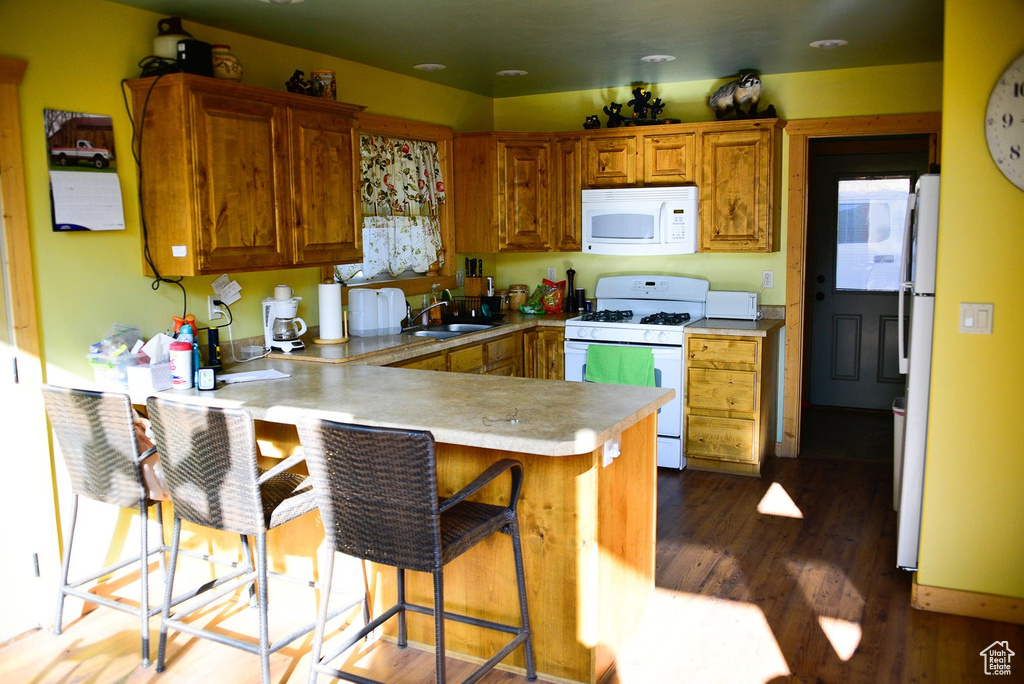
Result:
586,511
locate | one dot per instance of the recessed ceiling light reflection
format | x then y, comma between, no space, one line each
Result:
829,44
428,66
511,73
657,59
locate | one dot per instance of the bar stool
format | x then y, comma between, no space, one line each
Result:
209,460
96,434
377,493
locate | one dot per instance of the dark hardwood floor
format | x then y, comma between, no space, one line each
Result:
786,578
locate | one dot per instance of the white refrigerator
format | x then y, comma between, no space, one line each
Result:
917,302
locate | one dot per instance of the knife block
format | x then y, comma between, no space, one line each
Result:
476,286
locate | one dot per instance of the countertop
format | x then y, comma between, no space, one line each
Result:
551,418
728,326
381,350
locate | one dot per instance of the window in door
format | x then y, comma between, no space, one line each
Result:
869,233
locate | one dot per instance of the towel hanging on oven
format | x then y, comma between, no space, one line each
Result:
620,365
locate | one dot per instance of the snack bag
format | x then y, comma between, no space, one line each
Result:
534,305
553,296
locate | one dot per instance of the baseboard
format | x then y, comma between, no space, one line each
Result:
967,603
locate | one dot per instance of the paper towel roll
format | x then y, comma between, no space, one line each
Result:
330,311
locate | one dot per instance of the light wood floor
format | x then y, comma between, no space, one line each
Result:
790,577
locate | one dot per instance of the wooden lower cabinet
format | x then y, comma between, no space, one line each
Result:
498,356
729,405
543,353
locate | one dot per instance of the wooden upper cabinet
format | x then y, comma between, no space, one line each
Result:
738,189
669,158
567,229
611,158
240,178
325,166
505,192
241,184
524,195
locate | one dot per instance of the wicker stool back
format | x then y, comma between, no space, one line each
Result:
376,489
96,434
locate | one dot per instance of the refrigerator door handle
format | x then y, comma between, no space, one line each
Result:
901,334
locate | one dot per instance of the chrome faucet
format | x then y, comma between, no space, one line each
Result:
424,321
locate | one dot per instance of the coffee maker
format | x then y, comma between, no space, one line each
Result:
282,327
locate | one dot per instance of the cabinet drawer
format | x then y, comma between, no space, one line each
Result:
726,439
431,363
722,350
507,369
721,390
466,360
504,349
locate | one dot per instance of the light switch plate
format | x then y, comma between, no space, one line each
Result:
976,318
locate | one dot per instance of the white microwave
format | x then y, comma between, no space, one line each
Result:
640,221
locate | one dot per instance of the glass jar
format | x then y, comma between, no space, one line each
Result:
225,64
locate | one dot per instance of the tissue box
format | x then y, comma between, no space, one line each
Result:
149,378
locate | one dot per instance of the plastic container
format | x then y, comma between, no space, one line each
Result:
899,415
181,365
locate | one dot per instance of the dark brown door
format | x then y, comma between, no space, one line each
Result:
858,198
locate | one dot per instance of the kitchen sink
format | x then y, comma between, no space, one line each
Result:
446,330
437,334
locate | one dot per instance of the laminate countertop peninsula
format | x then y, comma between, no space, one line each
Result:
587,509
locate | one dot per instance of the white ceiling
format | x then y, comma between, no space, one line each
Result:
583,44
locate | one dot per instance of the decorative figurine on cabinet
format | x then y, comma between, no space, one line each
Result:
615,118
298,84
591,123
745,90
640,103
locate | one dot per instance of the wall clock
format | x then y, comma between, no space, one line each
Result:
1004,123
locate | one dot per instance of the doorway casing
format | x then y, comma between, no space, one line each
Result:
800,133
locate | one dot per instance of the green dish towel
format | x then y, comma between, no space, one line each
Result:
620,365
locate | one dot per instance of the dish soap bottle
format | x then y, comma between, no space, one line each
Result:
434,313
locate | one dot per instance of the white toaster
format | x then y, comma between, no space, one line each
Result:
729,304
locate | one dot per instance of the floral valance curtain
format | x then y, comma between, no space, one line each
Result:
401,192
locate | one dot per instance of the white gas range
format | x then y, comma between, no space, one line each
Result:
648,311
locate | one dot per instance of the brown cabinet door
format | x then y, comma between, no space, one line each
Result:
611,160
736,191
568,228
325,157
669,158
543,355
242,184
524,195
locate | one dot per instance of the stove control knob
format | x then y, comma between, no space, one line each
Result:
662,337
648,336
594,333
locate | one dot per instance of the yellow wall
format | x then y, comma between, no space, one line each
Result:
87,281
847,92
973,528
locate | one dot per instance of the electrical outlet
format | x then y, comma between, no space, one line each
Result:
551,273
214,312
767,279
460,278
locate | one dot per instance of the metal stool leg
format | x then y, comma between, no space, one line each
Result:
439,648
261,567
326,577
168,593
144,578
402,640
65,566
517,552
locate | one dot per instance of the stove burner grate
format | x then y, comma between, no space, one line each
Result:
607,316
663,318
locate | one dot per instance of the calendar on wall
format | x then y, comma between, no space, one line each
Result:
85,191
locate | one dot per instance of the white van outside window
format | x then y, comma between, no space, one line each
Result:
869,233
